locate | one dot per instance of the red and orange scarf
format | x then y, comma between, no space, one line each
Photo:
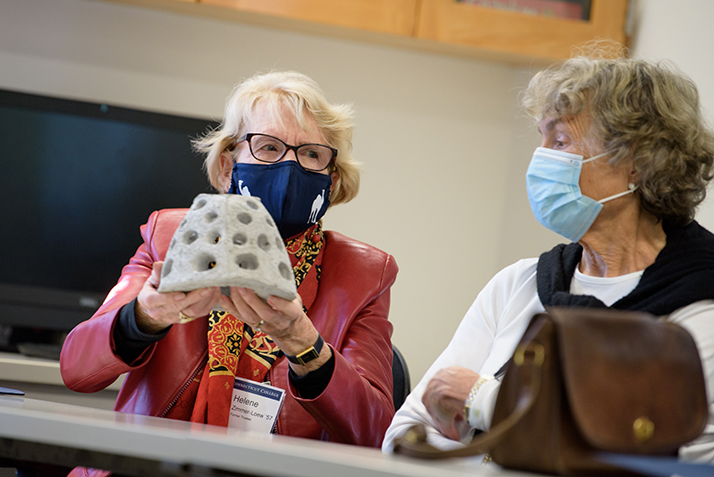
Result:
235,349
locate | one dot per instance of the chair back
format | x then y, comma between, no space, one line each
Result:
400,376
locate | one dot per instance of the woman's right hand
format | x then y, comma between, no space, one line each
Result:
156,311
445,396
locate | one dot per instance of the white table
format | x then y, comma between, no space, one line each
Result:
68,435
41,379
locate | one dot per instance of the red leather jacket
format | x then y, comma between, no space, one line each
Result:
350,312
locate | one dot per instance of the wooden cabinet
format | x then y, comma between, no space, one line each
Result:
514,36
395,17
444,26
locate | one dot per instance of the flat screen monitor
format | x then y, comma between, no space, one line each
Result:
77,180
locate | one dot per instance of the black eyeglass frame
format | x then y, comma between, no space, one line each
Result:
248,136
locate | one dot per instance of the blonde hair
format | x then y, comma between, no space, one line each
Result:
644,114
301,95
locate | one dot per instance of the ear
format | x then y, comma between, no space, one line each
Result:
226,164
634,176
334,177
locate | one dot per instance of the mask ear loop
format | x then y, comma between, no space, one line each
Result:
590,159
632,187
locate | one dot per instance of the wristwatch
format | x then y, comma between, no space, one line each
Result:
309,354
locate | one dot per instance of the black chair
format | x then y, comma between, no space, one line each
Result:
400,376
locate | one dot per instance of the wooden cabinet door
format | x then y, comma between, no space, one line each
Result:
505,34
385,16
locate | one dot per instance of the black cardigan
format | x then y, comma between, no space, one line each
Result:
682,273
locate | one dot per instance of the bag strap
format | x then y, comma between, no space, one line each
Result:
414,444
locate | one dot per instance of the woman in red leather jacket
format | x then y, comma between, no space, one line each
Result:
330,348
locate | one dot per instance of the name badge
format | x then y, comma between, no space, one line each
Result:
255,406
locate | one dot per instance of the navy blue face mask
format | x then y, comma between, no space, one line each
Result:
295,198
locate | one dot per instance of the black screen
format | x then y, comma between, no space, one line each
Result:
77,179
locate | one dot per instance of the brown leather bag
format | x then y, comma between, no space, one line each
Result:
586,381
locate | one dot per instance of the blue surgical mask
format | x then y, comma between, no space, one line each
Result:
554,192
294,197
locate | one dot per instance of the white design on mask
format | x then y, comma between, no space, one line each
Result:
316,206
243,189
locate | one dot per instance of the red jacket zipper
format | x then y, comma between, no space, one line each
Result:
193,375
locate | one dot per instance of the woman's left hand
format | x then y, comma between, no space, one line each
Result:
445,396
284,321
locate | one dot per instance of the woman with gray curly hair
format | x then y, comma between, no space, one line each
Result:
328,351
625,160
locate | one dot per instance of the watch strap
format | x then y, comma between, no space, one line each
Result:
309,354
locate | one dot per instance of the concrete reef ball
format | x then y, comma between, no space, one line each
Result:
228,240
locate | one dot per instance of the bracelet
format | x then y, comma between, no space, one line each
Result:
469,400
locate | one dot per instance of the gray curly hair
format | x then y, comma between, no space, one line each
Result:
645,114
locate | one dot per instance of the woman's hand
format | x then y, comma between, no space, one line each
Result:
156,311
445,396
284,321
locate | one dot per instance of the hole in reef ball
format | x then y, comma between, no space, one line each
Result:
270,221
214,237
244,218
204,262
240,239
210,217
279,242
190,236
252,205
167,268
247,261
285,271
200,203
263,242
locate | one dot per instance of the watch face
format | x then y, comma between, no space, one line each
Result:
307,356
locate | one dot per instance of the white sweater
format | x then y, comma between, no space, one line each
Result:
495,323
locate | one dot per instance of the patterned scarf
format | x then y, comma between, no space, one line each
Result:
235,349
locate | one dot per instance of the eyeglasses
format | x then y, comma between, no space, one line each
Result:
311,157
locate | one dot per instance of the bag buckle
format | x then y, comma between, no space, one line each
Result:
535,349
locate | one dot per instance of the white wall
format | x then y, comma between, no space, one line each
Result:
433,132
